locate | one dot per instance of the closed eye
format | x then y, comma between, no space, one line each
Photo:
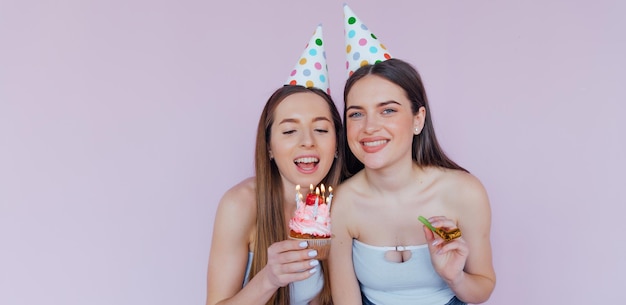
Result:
289,131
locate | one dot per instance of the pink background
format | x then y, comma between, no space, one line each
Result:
123,122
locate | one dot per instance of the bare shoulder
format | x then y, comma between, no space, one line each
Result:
240,201
242,190
463,187
345,204
348,190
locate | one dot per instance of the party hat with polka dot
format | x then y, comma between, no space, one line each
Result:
362,46
311,69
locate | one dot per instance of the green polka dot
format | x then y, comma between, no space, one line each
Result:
318,42
351,20
374,36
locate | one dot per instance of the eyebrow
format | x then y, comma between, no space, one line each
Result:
381,104
316,119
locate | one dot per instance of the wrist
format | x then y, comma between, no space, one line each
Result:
457,281
267,284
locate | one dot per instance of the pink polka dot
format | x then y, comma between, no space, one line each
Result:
318,66
347,64
362,41
293,72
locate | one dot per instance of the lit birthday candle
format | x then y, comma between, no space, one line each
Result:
330,197
298,195
317,201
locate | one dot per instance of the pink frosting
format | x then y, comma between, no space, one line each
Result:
307,221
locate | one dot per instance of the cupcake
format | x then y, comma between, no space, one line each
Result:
311,221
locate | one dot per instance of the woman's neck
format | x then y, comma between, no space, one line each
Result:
393,178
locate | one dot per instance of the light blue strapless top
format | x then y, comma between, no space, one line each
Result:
413,282
301,292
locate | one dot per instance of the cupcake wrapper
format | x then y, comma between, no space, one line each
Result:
322,245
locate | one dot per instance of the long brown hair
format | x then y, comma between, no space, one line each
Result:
270,227
426,150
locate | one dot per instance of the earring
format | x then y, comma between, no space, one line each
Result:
417,131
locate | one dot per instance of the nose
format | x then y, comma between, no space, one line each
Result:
307,139
372,124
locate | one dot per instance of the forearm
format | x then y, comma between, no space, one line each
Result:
347,297
258,291
472,288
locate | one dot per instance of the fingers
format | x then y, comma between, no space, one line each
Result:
289,251
288,245
447,232
442,222
290,261
430,236
459,245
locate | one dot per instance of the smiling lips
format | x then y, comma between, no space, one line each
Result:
306,163
374,143
373,146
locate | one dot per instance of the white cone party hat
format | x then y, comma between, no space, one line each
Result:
362,46
311,69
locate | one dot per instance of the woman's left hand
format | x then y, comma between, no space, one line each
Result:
448,257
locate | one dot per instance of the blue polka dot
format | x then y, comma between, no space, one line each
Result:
313,52
322,78
324,54
356,56
373,50
363,27
306,72
351,33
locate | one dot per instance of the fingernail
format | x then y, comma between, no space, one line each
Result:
313,253
436,242
314,263
304,244
313,270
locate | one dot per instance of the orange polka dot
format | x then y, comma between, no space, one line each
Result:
364,63
309,84
302,61
348,48
383,46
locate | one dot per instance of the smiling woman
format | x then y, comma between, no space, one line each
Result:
400,172
252,261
